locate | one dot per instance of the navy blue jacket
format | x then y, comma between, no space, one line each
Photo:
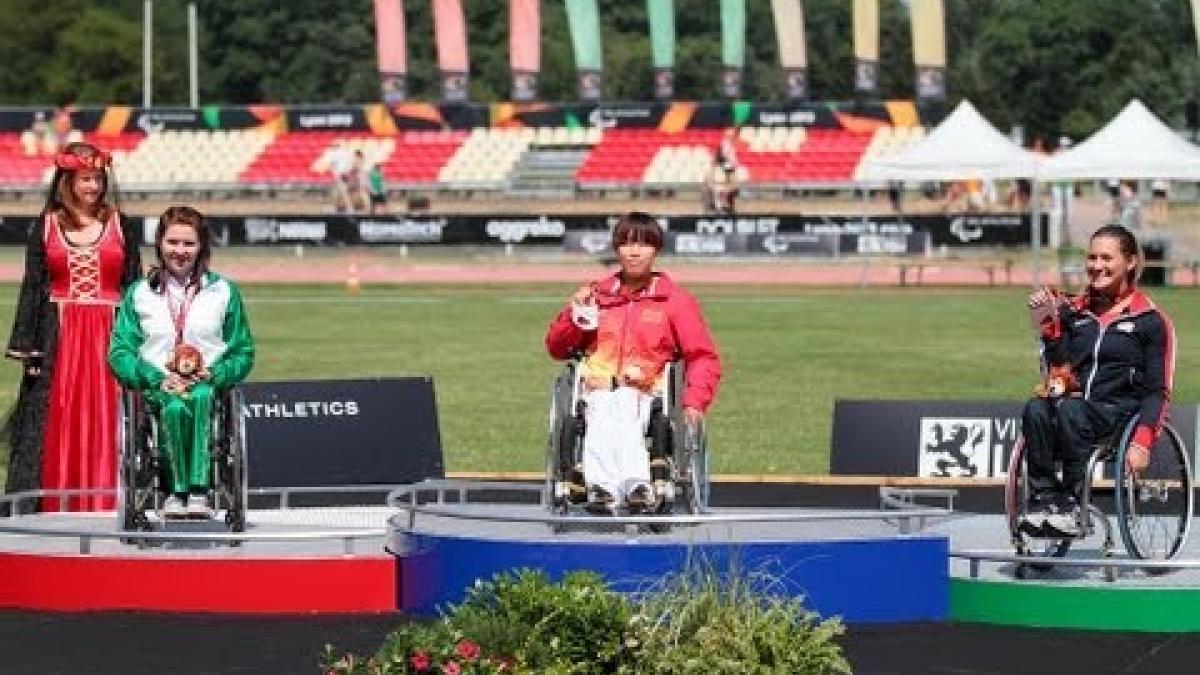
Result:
1127,359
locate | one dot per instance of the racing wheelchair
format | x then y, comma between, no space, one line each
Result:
678,451
143,478
1153,509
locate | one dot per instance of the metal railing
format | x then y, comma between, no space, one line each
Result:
18,523
977,557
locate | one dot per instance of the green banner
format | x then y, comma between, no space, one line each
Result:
733,33
661,14
583,16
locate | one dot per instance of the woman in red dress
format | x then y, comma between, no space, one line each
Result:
80,256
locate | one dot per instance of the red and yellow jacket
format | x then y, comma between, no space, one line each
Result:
647,330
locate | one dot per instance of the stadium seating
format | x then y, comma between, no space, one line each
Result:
485,158
188,157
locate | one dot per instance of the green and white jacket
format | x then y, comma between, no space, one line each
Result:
144,334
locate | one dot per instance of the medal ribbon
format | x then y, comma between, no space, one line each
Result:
179,311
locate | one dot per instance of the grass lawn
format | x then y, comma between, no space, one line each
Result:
788,354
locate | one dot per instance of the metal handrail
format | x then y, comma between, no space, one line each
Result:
974,559
85,537
406,499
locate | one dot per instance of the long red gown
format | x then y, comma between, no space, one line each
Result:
80,448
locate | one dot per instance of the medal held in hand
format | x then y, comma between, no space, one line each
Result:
186,360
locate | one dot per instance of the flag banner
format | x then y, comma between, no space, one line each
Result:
524,47
390,49
789,33
929,47
866,46
450,37
733,33
583,20
661,15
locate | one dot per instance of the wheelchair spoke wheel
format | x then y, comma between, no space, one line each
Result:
563,433
1154,509
1016,506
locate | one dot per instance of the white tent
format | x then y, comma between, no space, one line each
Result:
964,145
1134,144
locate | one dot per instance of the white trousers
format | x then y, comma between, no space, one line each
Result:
614,440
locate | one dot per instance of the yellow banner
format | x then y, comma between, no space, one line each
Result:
866,30
929,32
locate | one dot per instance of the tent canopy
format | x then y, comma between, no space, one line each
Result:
1134,144
964,145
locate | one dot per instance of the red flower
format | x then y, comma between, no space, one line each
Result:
419,661
451,668
467,650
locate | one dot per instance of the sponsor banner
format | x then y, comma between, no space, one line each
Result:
341,432
461,115
327,118
837,234
939,439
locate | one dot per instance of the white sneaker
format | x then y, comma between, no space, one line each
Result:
1062,523
173,508
197,507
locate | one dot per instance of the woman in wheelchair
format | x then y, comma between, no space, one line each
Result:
1110,354
181,337
628,327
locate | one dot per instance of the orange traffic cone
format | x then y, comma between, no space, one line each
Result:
352,283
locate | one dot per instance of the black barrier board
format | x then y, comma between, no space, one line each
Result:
342,432
815,234
940,439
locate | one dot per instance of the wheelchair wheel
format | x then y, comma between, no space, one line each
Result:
137,468
1154,509
232,462
1016,506
562,447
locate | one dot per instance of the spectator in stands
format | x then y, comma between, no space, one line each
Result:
341,162
376,189
36,138
726,154
1113,339
721,189
179,310
79,257
356,182
629,326
62,126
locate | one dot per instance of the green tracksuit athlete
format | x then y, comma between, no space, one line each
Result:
145,334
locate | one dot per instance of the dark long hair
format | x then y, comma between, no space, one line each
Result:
181,215
61,197
1129,246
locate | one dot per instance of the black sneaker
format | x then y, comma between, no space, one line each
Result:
640,500
601,502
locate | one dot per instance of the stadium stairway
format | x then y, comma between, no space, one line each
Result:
547,172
